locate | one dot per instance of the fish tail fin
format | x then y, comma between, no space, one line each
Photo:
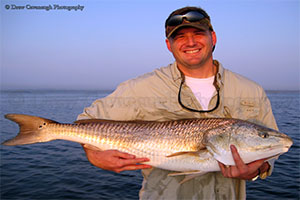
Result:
31,129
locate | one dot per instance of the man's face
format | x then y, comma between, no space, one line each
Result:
192,47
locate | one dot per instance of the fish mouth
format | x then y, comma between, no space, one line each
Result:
272,157
286,148
277,150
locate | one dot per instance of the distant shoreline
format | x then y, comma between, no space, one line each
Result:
104,90
54,90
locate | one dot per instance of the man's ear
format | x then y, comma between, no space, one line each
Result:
214,38
168,44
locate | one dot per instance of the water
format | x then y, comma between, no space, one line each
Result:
60,170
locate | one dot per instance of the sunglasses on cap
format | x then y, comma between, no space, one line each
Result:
192,16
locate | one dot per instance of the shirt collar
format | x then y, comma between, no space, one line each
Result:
220,74
177,75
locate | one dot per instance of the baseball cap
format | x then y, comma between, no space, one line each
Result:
187,17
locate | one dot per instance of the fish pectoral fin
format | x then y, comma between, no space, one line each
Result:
91,147
192,153
176,154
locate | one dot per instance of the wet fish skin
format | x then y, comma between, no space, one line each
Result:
183,145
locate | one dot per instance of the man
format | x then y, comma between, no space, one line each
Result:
194,86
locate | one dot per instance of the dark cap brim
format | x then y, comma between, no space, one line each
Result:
194,25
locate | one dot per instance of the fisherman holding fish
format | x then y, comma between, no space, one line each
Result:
194,86
196,129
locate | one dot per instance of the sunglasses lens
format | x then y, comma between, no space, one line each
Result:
175,20
192,16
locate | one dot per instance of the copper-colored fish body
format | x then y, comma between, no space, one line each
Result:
183,145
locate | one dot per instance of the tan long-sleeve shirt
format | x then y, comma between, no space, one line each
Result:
154,96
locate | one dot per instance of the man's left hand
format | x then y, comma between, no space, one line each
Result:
242,170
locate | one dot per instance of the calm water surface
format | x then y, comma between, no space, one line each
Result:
60,170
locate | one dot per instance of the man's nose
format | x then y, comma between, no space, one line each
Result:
190,40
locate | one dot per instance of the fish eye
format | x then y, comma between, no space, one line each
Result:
263,134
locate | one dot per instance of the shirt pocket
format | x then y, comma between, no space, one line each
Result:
247,109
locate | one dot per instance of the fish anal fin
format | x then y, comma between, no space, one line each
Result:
189,175
184,173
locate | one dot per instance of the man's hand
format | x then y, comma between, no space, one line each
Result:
242,170
114,160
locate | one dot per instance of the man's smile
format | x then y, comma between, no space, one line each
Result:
191,51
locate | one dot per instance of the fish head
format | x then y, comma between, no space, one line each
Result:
252,141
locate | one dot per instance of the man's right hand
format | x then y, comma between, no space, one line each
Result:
114,160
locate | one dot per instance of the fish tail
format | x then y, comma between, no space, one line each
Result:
32,129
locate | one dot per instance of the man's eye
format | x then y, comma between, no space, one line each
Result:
199,33
178,36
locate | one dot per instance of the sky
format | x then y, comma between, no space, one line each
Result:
105,42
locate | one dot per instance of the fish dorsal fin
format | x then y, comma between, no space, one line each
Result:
89,121
102,121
